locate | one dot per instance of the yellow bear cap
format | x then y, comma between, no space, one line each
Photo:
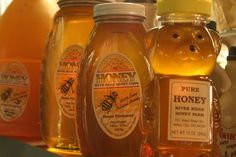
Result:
184,6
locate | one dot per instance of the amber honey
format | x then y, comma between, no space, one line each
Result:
183,54
185,117
61,65
189,53
26,28
114,72
65,46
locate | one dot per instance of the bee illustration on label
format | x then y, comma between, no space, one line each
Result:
66,86
108,102
6,94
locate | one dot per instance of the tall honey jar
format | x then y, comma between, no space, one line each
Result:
61,63
114,72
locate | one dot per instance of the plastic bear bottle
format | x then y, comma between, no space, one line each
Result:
114,72
183,54
72,26
24,28
227,138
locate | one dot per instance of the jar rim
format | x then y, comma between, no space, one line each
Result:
69,3
119,8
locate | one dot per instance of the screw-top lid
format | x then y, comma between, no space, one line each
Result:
184,6
119,9
232,53
66,3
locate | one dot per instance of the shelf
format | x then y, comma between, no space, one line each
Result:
9,147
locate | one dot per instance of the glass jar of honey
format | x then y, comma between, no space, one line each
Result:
114,72
64,50
183,54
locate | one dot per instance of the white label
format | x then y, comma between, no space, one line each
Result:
14,90
66,80
189,111
116,95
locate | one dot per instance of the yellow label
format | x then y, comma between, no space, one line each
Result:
116,95
66,80
14,90
189,111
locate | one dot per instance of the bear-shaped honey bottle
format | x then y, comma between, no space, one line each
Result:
183,54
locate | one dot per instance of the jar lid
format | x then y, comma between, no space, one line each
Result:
232,53
66,3
184,6
119,8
